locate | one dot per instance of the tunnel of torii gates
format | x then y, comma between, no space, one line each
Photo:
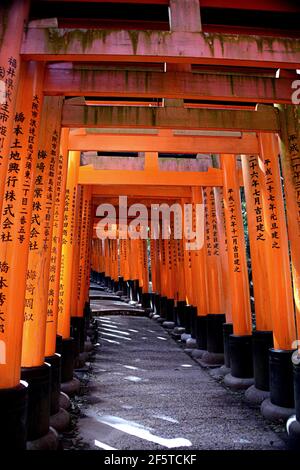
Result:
245,132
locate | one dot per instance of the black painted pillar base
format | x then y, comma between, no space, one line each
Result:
214,356
39,381
156,304
128,288
170,310
121,283
280,405
55,363
58,347
59,417
296,374
241,362
163,307
188,313
180,319
201,332
67,359
262,341
69,384
194,322
215,342
146,300
227,331
13,422
107,281
77,332
140,294
134,287
281,378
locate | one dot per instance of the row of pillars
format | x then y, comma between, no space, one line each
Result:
239,303
45,231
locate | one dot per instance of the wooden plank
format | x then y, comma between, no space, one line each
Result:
57,44
185,85
264,119
247,144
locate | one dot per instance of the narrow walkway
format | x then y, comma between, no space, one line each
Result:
146,393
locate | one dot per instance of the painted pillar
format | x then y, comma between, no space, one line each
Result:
37,282
238,273
283,319
214,267
289,140
84,249
240,342
13,16
54,271
16,219
199,267
222,236
64,313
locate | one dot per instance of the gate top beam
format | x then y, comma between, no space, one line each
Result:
264,119
56,44
184,85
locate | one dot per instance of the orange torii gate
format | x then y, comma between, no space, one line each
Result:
39,238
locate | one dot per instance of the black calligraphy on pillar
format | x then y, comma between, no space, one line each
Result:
234,232
294,153
28,174
4,268
271,208
257,198
8,76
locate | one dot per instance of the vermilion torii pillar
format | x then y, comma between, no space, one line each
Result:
13,15
54,271
216,308
283,319
262,276
35,370
290,162
240,342
59,418
15,230
199,269
69,384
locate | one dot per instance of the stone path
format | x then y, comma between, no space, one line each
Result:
145,392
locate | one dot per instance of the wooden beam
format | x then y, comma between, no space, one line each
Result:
161,192
55,44
137,84
247,144
264,119
212,177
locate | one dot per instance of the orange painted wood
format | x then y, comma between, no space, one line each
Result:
283,319
199,259
214,265
14,14
290,162
188,274
84,250
65,293
48,44
260,243
238,275
88,175
171,117
15,231
75,289
37,282
184,85
222,235
56,247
